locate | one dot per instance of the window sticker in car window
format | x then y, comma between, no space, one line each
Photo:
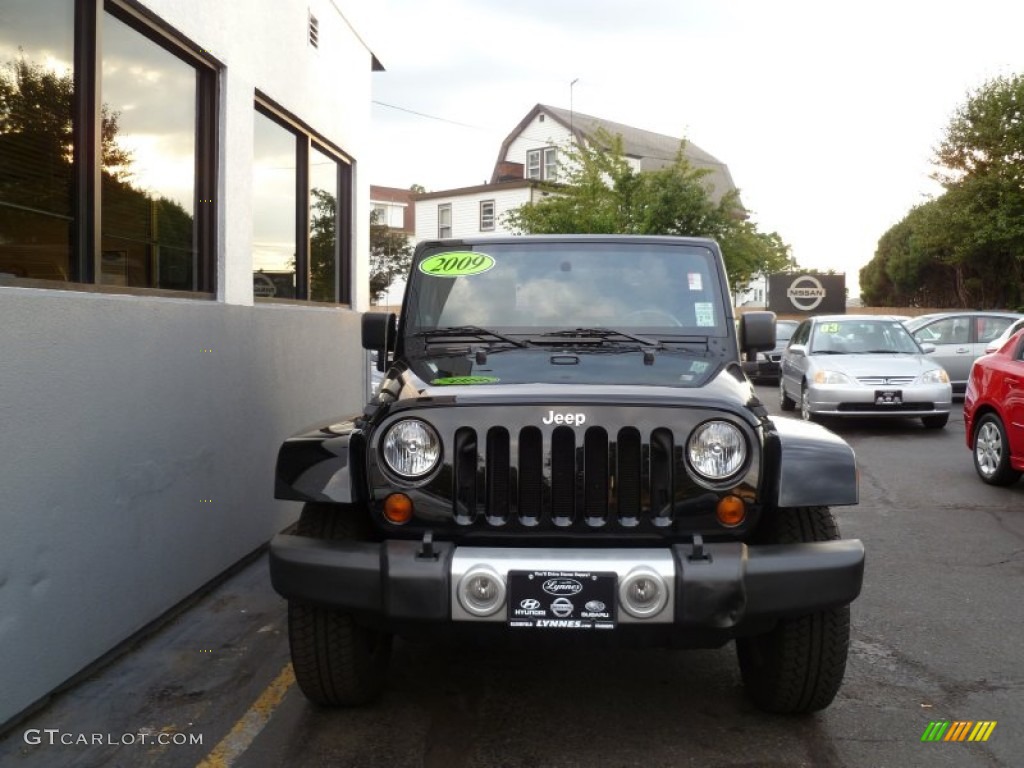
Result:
451,381
829,328
457,264
705,312
695,281
699,366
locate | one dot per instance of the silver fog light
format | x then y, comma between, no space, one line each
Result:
643,593
481,591
411,448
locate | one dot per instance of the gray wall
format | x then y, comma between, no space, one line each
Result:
115,427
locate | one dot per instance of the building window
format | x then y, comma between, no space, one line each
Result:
542,164
302,193
379,215
550,164
486,215
444,220
131,204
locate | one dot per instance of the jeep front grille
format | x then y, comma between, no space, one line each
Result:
585,476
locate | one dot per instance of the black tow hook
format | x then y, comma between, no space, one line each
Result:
427,547
697,554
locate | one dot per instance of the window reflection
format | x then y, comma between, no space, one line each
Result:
148,197
323,210
36,89
274,205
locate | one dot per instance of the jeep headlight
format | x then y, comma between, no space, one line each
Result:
831,377
717,450
934,376
411,448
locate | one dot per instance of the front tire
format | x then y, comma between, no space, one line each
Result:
798,666
805,404
786,403
338,662
992,452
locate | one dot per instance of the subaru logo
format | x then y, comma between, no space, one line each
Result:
594,606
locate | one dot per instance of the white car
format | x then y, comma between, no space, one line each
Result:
1001,339
862,365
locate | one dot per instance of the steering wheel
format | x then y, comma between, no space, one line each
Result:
657,314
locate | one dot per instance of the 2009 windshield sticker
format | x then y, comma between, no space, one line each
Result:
451,381
457,264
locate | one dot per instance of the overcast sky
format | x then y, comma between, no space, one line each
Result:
825,113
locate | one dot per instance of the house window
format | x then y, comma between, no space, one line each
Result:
550,164
542,163
380,215
129,205
444,220
486,215
302,192
533,157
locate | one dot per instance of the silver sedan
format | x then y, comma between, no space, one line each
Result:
862,365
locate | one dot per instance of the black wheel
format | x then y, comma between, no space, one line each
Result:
785,402
935,422
798,666
992,452
337,661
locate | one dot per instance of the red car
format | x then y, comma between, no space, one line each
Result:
994,413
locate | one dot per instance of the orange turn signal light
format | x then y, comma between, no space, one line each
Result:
731,511
398,508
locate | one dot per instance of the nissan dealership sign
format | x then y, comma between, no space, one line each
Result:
807,294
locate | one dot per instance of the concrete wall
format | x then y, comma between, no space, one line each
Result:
139,433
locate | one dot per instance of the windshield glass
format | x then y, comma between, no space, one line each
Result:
851,337
535,287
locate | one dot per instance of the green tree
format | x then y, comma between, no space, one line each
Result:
322,245
390,256
601,193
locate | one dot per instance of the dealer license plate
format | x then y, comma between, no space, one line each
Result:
888,397
561,599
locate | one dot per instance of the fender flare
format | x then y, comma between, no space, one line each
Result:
813,466
323,464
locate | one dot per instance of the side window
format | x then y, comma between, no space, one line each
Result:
990,327
801,334
949,330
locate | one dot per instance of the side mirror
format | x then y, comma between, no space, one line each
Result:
756,332
797,349
927,347
379,331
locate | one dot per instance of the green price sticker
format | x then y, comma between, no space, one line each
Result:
830,328
456,264
451,381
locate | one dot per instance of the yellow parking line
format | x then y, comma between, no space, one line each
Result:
251,723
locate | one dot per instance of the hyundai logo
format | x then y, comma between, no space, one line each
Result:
529,604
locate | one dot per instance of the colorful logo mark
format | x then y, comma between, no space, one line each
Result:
958,730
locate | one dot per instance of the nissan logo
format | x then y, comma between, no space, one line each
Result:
562,587
806,293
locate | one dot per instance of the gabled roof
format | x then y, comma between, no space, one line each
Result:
654,150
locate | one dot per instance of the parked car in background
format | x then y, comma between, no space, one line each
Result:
862,365
994,413
767,366
999,340
959,338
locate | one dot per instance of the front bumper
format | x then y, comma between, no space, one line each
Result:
860,400
731,588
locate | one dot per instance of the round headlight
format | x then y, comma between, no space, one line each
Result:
411,448
716,450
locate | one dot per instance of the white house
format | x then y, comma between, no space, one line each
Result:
179,292
533,152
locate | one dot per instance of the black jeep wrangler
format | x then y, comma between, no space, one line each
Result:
564,446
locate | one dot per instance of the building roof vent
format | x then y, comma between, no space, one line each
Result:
314,31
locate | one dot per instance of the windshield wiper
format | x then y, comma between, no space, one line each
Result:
600,334
474,331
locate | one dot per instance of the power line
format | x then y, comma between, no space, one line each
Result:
431,117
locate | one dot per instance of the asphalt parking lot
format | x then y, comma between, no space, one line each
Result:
936,637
